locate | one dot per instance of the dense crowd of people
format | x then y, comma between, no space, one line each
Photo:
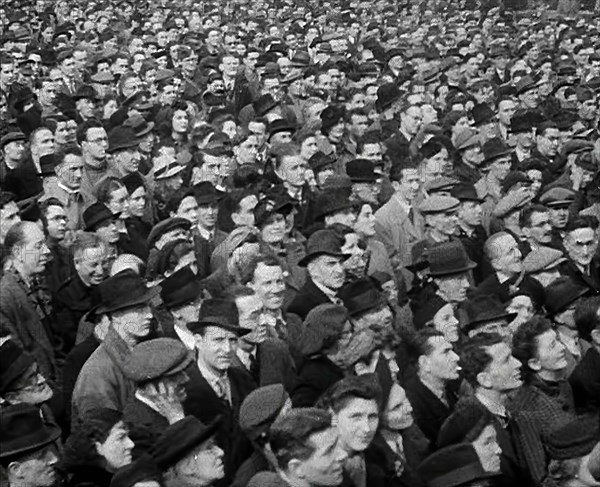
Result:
300,244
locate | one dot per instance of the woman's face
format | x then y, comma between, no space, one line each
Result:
118,201
137,202
116,449
180,121
365,222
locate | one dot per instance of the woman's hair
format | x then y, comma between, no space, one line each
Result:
94,427
106,187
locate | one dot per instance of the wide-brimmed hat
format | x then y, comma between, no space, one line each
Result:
281,125
319,160
221,313
121,138
362,171
166,167
387,94
482,309
206,193
523,122
322,242
264,104
269,206
361,295
331,202
126,289
448,258
139,125
14,362
561,293
482,113
97,214
180,439
23,430
86,91
180,288
300,59
495,148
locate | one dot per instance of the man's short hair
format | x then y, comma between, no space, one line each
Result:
339,395
85,241
527,213
396,170
581,222
290,434
250,269
586,317
285,150
475,358
524,342
82,130
71,149
491,249
6,197
544,126
418,344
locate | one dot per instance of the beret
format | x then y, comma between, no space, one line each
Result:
574,439
166,226
438,203
557,197
153,359
260,408
180,439
542,259
512,201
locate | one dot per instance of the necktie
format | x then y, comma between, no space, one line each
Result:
221,389
254,367
411,215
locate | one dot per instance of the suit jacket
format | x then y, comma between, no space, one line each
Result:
315,376
585,381
429,412
275,364
309,297
20,317
24,181
591,280
396,231
204,249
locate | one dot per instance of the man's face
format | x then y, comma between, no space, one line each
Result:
90,265
409,185
48,92
559,216
548,142
7,74
13,151
269,285
56,217
68,67
470,213
509,259
540,230
398,414
444,223
229,66
588,109
530,99
244,215
203,466
357,424
108,232
96,144
9,215
325,467
30,388
506,109
43,143
38,468
70,171
207,215
136,321
503,372
581,245
328,271
525,140
251,315
487,449
358,125
442,361
453,288
372,152
34,253
550,353
216,347
411,120
211,170
65,132
292,170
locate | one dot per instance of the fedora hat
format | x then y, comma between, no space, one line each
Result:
23,430
86,91
124,290
362,171
482,113
561,293
448,258
166,167
300,59
180,288
280,125
387,94
97,214
322,242
485,308
221,313
166,226
206,193
320,160
465,192
468,137
331,202
264,104
267,207
139,125
121,138
525,84
14,361
361,296
495,148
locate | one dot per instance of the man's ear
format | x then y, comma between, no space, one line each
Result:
294,468
595,335
534,364
483,379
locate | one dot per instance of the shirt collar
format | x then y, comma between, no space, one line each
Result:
330,293
186,337
494,408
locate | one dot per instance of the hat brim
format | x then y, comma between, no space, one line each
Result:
130,145
148,295
471,325
170,173
15,370
489,160
342,206
50,434
147,130
219,322
313,255
449,272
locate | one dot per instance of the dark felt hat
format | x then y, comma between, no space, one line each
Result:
157,358
361,295
126,289
387,94
301,59
166,226
586,160
280,125
561,293
448,258
47,165
180,439
24,430
207,194
362,171
468,416
483,309
86,91
495,148
322,242
180,288
525,84
139,125
264,104
574,439
319,161
260,408
14,362
453,466
269,206
482,113
465,192
333,201
133,181
523,121
122,138
220,313
96,215
322,326
513,178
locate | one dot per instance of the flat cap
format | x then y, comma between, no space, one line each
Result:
511,202
260,408
557,197
513,178
466,138
157,358
166,226
438,203
12,137
443,183
542,259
